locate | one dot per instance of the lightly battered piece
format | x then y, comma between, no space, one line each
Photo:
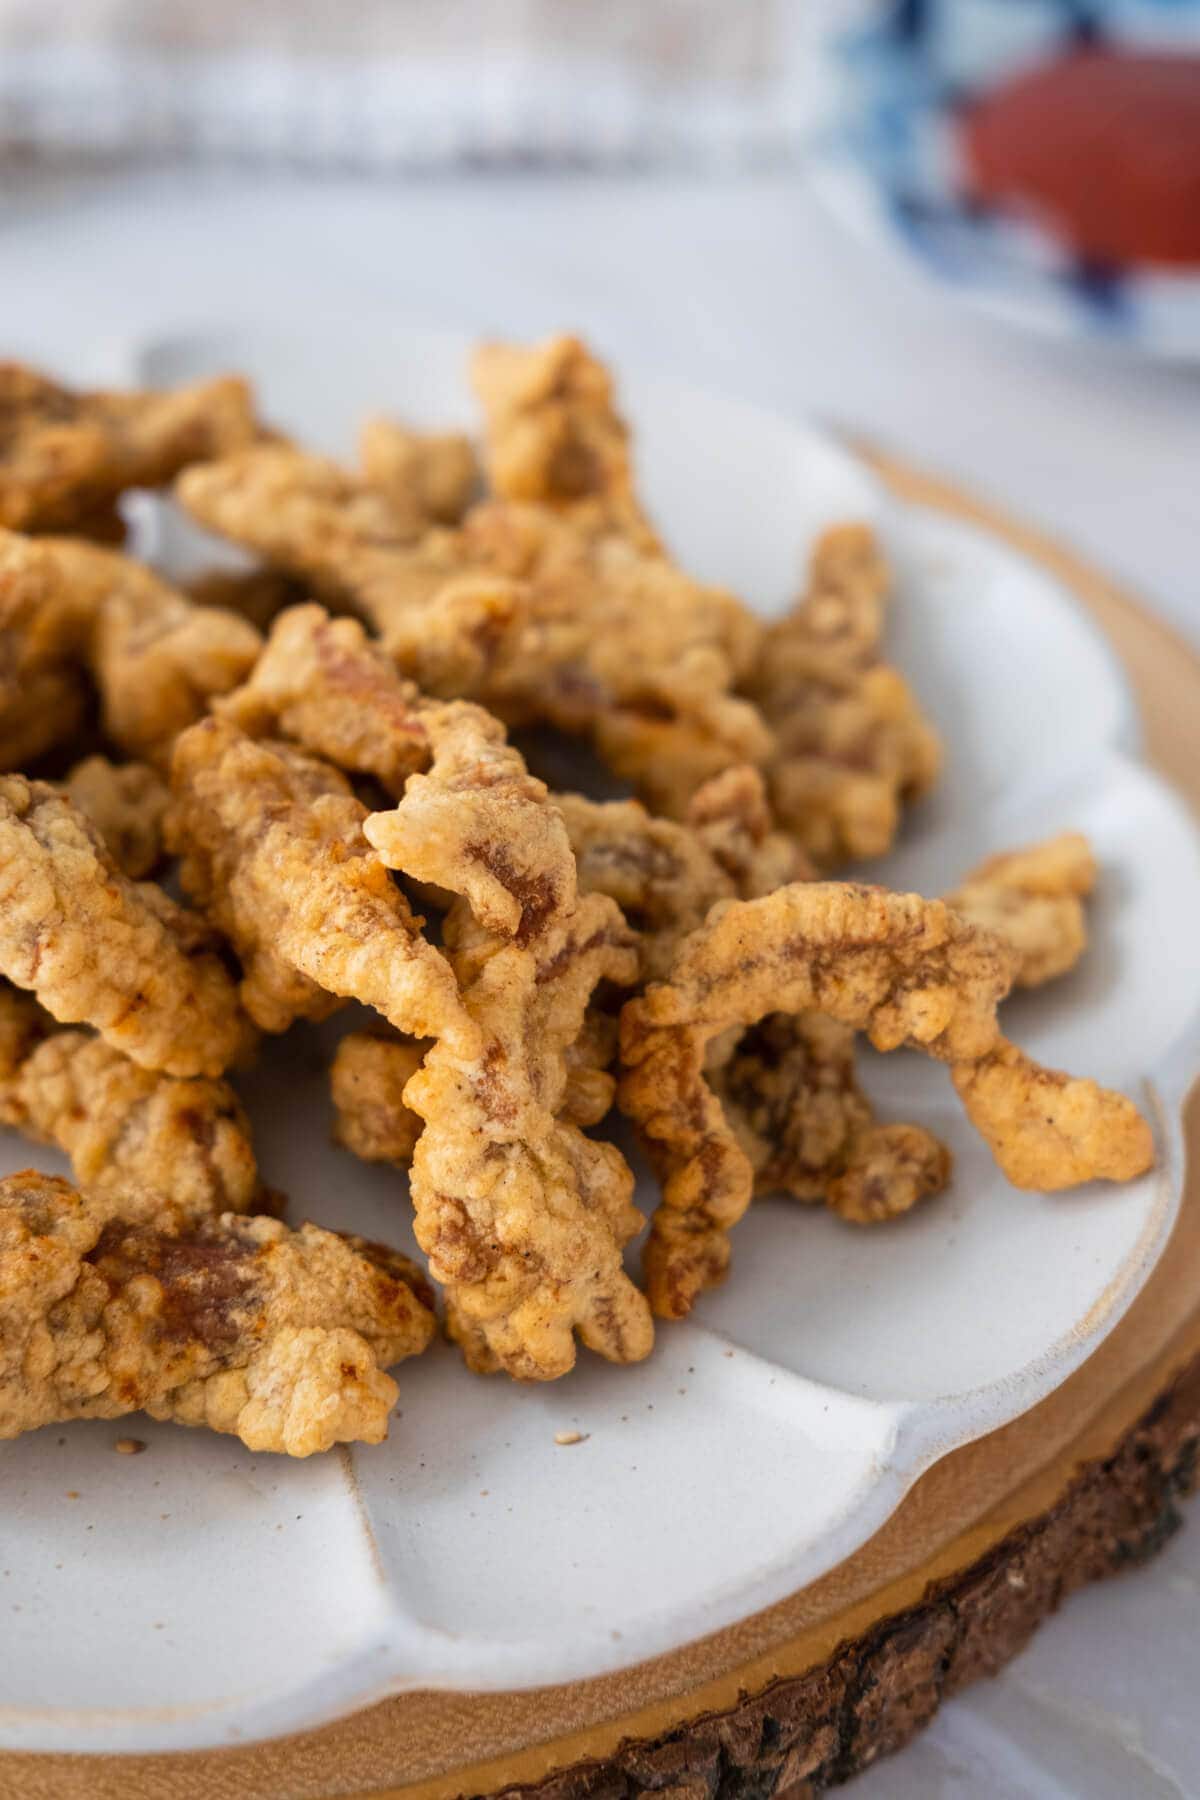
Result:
850,740
127,803
1033,898
903,969
273,851
434,472
554,436
522,1216
367,1081
99,949
73,615
516,609
469,817
788,1084
110,1305
65,455
124,1127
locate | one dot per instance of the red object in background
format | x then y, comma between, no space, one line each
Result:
1103,146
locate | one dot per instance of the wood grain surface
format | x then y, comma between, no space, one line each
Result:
984,1545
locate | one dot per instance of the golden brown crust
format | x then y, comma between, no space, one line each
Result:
123,1126
280,1337
554,436
127,803
788,1088
367,1081
69,608
852,742
523,1217
469,818
273,851
1034,898
517,609
433,472
97,949
323,683
43,633
66,454
906,971
480,825
156,658
439,612
1048,1130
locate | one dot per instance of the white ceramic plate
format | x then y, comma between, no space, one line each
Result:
198,1594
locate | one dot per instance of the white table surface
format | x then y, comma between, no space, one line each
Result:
742,285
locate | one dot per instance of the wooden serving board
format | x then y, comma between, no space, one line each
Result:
805,1694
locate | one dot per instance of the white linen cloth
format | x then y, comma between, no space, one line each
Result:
383,84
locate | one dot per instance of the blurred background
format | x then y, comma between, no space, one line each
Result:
965,230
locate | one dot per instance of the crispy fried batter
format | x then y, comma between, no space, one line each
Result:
273,851
439,612
97,949
521,1215
476,823
123,1126
789,1091
127,803
67,606
659,872
367,1081
517,609
1034,899
479,824
852,742
905,970
622,646
1048,1130
65,455
554,436
157,659
323,683
278,1337
433,472
43,632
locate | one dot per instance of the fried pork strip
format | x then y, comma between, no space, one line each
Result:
1034,899
127,803
367,1081
469,817
65,455
851,741
70,609
523,1217
273,851
787,1085
554,436
516,609
123,1126
98,949
109,1306
43,628
902,969
433,473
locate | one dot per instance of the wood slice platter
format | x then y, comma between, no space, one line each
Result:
805,1694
